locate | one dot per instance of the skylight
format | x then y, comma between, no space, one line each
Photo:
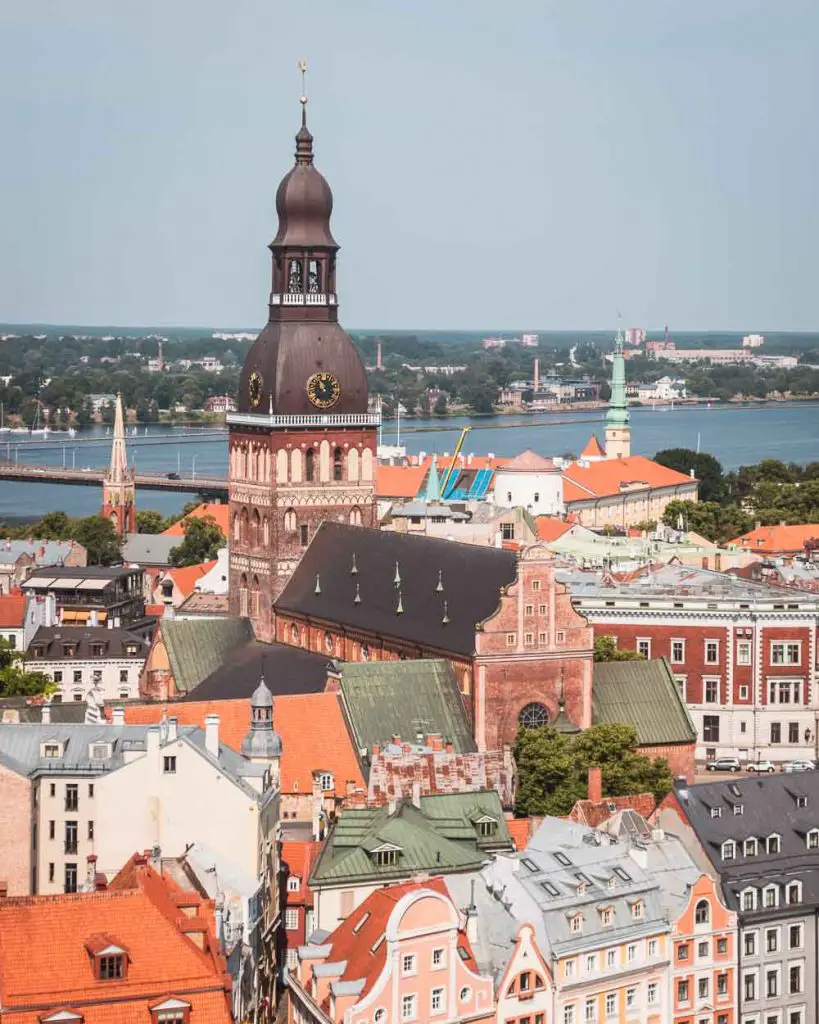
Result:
552,890
561,858
622,874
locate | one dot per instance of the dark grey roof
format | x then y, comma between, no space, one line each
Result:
285,669
769,806
85,641
643,694
150,548
403,698
471,578
102,572
24,710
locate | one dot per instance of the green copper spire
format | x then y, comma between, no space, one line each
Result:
433,488
618,409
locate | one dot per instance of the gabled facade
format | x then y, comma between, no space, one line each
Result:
402,956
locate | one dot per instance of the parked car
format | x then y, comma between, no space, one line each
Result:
724,764
173,476
799,764
762,767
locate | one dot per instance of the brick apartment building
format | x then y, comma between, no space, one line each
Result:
743,653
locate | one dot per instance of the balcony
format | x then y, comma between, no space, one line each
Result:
303,299
344,419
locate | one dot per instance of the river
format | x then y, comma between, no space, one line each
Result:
736,435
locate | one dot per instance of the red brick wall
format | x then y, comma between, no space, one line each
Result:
680,757
15,832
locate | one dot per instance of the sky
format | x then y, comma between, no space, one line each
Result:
518,164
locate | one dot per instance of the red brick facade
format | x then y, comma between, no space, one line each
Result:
283,482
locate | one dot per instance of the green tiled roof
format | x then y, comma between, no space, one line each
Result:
403,698
441,835
197,647
643,694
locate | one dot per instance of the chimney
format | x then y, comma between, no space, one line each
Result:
212,735
152,741
472,918
595,784
396,739
448,747
90,871
173,722
93,618
434,741
45,714
118,715
416,793
758,525
376,749
536,375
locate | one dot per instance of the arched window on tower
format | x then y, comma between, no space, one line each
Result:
243,527
352,464
255,526
310,465
338,465
355,516
290,520
266,531
295,277
254,598
243,596
533,716
314,277
236,527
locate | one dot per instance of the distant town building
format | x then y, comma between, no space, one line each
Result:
753,340
100,401
493,342
530,340
91,596
635,336
18,558
220,404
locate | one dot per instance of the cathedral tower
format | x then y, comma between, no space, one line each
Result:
302,443
618,429
118,486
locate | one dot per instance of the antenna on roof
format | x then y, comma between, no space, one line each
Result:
440,588
318,584
354,569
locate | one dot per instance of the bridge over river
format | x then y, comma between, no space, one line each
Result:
18,471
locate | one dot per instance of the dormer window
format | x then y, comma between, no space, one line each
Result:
801,801
638,910
386,856
770,896
607,916
716,812
110,959
729,849
99,751
739,808
750,848
131,649
748,899
51,750
812,839
38,651
326,782
794,892
774,844
486,826
576,924
97,650
69,650
112,967
171,1011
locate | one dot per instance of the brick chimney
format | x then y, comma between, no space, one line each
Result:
595,784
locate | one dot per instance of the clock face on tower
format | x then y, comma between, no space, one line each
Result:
323,390
254,388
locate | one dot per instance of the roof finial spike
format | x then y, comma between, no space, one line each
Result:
318,584
304,140
303,98
357,598
445,619
400,607
440,588
354,569
396,580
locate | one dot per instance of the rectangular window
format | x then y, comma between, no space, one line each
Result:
795,936
722,984
169,764
507,531
644,647
529,609
712,652
58,676
795,979
776,732
511,639
304,535
291,919
72,796
438,958
591,963
611,958
772,940
541,609
710,728
652,992
631,998
786,653
750,944
702,950
408,1007
408,964
631,952
71,837
78,676
682,991
568,1014
711,691
110,968
123,675
611,1004
743,694
749,986
436,1002
682,951
51,827
772,983
590,1009
51,872
652,947
744,652
702,988
793,732
535,584
722,946
528,639
70,878
677,652
542,638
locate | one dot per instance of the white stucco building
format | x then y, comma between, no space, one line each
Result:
109,661
532,482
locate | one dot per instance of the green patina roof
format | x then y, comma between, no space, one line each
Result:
404,698
440,835
197,647
643,694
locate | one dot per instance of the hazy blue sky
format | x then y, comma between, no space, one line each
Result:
506,163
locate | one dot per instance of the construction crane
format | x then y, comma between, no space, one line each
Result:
451,470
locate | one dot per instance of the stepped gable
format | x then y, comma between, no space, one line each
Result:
399,571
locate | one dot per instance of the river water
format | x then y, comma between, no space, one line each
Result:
737,435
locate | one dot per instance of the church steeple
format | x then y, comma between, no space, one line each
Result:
618,430
118,487
263,743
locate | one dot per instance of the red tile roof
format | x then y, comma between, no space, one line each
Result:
593,449
392,776
520,830
612,476
587,812
45,963
398,481
297,860
549,528
12,611
186,577
217,511
312,727
773,540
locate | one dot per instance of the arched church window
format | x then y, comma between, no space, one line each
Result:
243,596
255,524
355,516
294,634
328,642
254,598
310,465
313,277
365,652
338,464
265,531
533,716
236,527
243,527
295,277
290,520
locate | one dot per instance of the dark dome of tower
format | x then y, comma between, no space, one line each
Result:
304,201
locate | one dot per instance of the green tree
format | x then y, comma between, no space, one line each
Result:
15,679
606,649
553,768
99,537
149,521
440,407
54,526
203,539
707,469
719,523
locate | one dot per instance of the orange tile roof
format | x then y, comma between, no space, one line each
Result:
297,859
216,510
772,540
593,449
312,727
356,937
520,831
469,461
601,479
550,528
398,481
155,609
186,576
45,963
530,462
588,812
12,611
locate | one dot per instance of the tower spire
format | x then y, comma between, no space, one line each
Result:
618,431
304,140
118,468
118,486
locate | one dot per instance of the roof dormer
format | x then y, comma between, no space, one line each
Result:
51,750
170,1011
386,855
109,958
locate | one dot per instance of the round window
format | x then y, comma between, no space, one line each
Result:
533,716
